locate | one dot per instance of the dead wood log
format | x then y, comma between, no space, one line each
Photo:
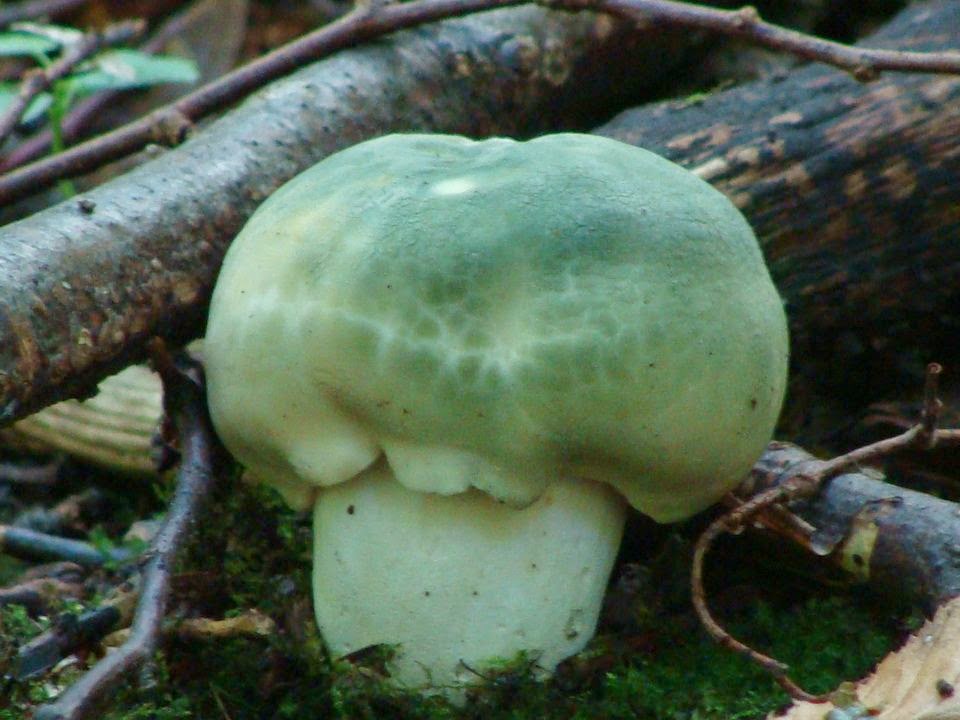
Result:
854,190
83,285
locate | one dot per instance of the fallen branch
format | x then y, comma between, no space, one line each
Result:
86,283
170,125
203,458
854,166
901,542
800,482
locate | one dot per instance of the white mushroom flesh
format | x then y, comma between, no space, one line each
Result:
457,581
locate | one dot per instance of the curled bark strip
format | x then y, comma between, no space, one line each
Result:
203,457
83,285
249,623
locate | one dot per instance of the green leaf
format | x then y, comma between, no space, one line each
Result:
22,44
60,34
124,69
38,106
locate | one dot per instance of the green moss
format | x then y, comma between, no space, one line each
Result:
18,627
677,673
252,552
671,672
10,569
690,676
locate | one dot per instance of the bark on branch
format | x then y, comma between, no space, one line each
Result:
367,23
850,187
902,542
84,284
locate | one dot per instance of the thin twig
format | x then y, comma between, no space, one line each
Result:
38,80
170,124
779,519
68,633
32,545
717,528
36,9
864,64
931,404
802,483
202,457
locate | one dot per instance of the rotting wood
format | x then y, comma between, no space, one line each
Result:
853,192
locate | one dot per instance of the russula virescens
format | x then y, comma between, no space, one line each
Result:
467,357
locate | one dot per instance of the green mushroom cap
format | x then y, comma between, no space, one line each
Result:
496,315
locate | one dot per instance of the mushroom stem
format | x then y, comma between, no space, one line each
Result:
456,581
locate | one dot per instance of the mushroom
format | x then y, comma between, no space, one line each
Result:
467,358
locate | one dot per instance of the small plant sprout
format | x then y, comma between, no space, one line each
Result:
467,358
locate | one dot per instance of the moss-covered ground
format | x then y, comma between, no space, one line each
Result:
252,553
